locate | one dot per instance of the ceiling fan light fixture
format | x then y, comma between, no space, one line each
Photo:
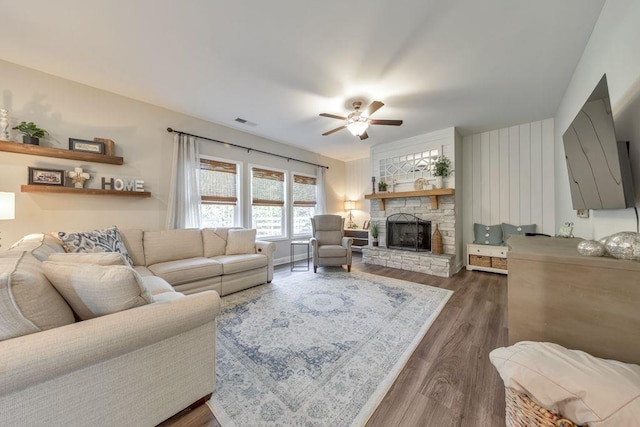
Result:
359,127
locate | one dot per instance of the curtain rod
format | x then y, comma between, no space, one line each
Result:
170,130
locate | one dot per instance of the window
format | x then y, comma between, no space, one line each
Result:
267,202
219,193
304,203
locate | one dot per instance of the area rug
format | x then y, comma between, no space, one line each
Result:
317,349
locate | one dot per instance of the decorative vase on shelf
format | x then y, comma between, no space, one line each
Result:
438,182
4,125
436,242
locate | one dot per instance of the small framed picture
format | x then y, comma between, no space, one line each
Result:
365,226
95,147
38,176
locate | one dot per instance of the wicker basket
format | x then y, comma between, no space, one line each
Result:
500,263
524,412
483,261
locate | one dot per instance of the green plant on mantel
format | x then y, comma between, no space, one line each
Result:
442,166
382,186
30,129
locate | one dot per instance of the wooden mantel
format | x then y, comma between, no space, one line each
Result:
433,194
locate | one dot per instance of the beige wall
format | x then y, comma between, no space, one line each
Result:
68,109
358,183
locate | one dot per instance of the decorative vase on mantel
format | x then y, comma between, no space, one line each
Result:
439,183
436,242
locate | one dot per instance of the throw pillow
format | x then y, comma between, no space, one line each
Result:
487,234
97,258
511,230
241,242
39,244
95,290
107,240
28,301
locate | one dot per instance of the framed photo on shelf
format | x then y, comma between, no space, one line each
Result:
365,226
95,147
39,176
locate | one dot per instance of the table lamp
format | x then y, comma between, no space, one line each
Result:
7,206
349,205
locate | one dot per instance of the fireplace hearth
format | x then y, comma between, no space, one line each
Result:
408,232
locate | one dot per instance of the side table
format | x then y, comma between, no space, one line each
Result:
295,243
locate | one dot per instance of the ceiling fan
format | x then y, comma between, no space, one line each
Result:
358,121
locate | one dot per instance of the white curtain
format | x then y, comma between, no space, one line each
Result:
184,193
321,203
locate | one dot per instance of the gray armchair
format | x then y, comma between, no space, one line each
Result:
328,244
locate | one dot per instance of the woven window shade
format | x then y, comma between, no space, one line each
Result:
267,187
304,191
218,183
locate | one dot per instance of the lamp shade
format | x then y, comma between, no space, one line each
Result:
7,205
349,205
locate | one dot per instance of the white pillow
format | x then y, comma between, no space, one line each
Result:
95,290
241,242
572,383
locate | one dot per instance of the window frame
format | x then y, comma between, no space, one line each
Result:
293,206
285,206
238,212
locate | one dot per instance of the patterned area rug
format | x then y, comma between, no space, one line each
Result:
317,349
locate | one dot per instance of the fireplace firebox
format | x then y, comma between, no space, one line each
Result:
408,232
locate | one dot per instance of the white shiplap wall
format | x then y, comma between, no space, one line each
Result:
508,177
357,184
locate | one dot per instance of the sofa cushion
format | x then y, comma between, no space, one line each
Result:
98,258
105,240
28,302
132,239
214,241
585,389
96,290
241,242
171,245
39,244
156,285
236,263
187,270
327,251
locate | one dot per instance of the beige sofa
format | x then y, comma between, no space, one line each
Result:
225,260
138,366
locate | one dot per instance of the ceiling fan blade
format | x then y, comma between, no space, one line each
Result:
333,116
373,107
334,130
385,122
364,136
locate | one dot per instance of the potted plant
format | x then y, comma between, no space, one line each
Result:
374,233
31,132
441,168
382,186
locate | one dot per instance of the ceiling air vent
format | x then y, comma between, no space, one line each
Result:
244,122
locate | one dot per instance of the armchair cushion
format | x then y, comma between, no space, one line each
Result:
331,251
327,229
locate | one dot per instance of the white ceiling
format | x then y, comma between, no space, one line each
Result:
476,65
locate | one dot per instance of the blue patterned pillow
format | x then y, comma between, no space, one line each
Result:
107,240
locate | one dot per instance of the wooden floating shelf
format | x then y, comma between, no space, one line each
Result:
433,194
59,153
84,191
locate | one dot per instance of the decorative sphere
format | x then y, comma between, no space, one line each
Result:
591,248
624,245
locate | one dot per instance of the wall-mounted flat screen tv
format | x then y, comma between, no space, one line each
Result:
598,165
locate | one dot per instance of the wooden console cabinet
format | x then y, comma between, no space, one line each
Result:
585,303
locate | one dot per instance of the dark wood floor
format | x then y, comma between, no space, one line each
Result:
448,381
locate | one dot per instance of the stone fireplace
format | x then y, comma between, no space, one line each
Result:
408,233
